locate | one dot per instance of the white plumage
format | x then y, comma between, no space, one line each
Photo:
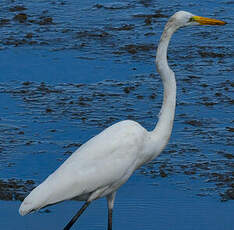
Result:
97,168
101,165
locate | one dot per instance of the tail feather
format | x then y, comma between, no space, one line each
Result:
47,193
56,188
32,202
25,208
37,199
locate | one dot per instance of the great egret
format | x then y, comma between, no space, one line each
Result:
104,163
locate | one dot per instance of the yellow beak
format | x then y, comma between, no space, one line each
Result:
208,21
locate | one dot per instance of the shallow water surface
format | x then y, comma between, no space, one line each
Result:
139,205
69,70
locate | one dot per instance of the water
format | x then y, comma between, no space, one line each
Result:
139,204
71,69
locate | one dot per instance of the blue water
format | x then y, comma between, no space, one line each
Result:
71,69
139,204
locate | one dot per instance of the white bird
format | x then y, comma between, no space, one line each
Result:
105,162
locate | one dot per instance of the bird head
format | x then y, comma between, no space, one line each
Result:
183,18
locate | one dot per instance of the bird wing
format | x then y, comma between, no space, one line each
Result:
103,163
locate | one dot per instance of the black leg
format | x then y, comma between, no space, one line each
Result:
74,219
109,219
110,202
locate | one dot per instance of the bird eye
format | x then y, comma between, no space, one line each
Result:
191,19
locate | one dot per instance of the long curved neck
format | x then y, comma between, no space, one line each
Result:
162,131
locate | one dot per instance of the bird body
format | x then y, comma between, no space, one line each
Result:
101,165
97,168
